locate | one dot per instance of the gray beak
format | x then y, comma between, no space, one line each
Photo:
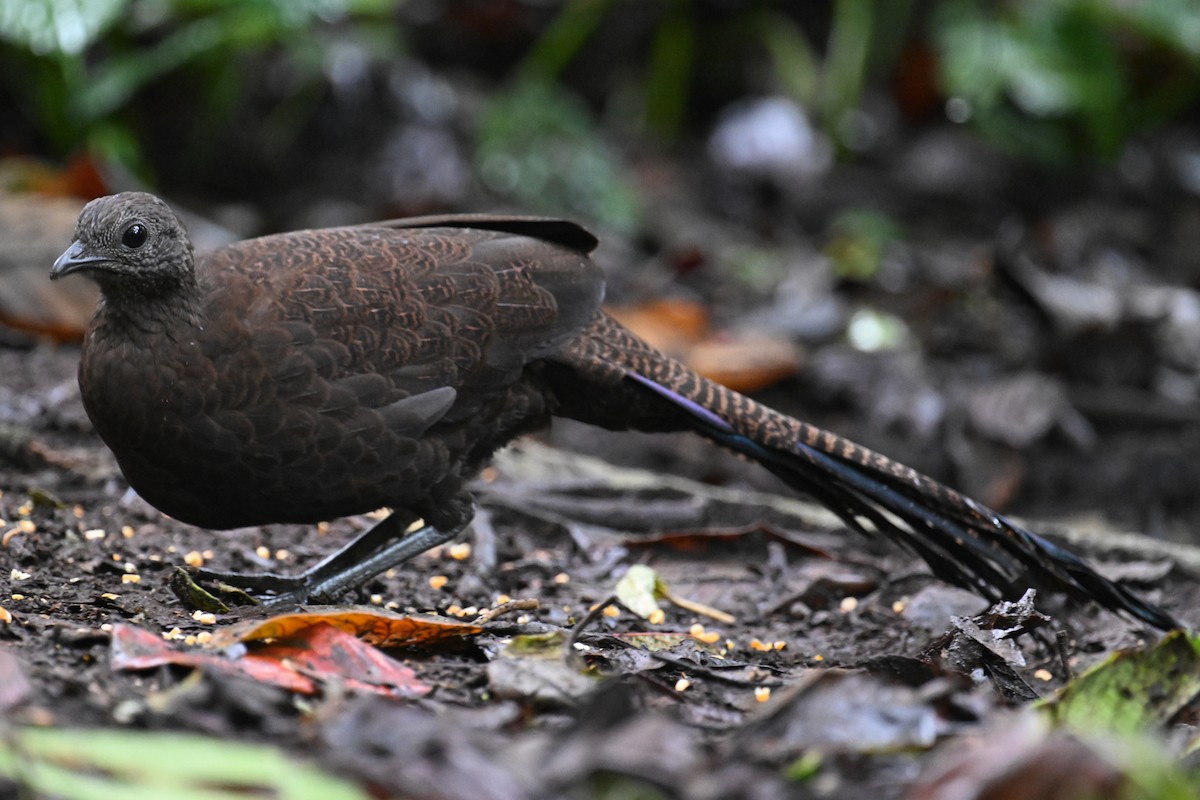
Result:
73,260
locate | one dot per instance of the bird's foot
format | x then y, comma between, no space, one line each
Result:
373,552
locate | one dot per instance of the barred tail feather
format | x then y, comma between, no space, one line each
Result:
963,541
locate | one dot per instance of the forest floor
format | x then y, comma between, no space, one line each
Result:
836,667
1032,340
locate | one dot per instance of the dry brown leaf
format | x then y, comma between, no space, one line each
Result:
378,627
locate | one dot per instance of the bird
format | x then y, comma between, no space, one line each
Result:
305,376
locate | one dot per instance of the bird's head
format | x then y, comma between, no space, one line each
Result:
130,240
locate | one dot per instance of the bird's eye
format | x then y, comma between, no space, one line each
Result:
134,235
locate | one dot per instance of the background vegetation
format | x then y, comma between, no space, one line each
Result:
175,90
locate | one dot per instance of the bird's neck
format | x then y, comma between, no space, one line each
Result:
136,311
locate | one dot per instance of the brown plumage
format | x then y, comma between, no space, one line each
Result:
316,374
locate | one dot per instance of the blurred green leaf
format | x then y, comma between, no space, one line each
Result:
1068,79
614,786
47,27
1171,23
1132,690
804,768
795,62
133,765
562,40
667,83
121,76
846,61
537,143
542,645
222,31
80,74
690,43
114,143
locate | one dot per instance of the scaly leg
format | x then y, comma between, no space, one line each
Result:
371,553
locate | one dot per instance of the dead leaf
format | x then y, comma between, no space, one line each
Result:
1023,762
640,589
745,362
533,668
326,653
671,326
34,231
845,711
373,626
14,685
308,656
636,590
1019,410
136,649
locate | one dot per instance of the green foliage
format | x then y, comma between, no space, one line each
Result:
793,59
562,40
1053,80
135,765
46,27
688,41
537,143
672,54
847,59
1069,78
865,37
1132,691
80,72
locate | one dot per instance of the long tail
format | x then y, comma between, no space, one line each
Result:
963,541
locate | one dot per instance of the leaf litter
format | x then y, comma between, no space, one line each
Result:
839,665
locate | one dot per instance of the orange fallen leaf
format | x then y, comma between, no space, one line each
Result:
745,362
669,325
79,177
374,626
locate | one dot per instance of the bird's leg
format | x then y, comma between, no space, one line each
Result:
347,569
382,547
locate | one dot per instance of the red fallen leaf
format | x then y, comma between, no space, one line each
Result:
324,652
298,663
135,649
374,626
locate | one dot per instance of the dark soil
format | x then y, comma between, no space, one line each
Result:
869,669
